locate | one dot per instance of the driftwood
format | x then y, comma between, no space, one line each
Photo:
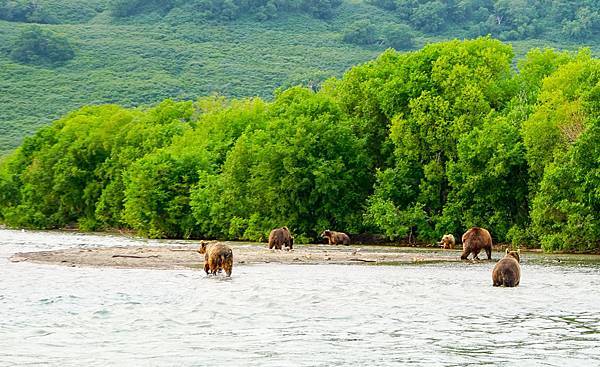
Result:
364,260
135,256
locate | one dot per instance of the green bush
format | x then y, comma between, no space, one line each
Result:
38,46
360,33
398,36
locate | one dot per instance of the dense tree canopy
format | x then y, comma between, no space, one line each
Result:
410,145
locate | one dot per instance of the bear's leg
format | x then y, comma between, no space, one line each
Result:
465,254
488,251
476,254
212,264
206,267
228,265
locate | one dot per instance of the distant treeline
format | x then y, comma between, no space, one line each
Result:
410,145
50,11
228,9
505,19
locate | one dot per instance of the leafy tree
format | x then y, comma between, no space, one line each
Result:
434,97
38,46
430,16
158,186
561,139
398,36
565,209
306,169
384,4
489,180
559,117
138,135
584,25
24,11
361,32
61,173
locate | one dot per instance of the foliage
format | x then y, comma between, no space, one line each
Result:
489,180
228,10
504,19
566,202
49,11
182,50
37,46
430,99
361,33
398,36
306,168
409,145
158,187
58,176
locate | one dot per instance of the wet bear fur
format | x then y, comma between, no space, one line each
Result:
336,238
475,240
447,241
281,237
217,257
507,272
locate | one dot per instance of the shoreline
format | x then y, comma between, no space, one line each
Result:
186,256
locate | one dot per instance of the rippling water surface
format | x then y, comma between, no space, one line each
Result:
296,315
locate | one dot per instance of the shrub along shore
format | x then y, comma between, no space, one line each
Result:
409,145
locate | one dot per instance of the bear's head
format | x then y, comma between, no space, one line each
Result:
326,233
202,248
513,254
447,241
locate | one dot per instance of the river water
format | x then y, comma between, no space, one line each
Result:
293,315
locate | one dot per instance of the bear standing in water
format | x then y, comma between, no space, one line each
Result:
507,272
281,237
336,238
217,256
475,240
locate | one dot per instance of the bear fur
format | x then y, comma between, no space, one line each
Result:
217,257
281,237
447,241
336,238
507,272
475,240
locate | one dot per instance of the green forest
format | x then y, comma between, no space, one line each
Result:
410,145
60,55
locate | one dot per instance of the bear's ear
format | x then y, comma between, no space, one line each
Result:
507,251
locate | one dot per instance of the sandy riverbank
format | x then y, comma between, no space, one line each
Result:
182,256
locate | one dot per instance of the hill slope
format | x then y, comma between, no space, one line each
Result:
152,55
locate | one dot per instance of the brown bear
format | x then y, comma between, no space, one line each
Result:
281,237
336,238
217,257
447,241
475,240
507,272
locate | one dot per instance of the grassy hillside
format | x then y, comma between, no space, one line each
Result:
145,58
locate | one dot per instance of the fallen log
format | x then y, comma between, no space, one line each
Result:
135,256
